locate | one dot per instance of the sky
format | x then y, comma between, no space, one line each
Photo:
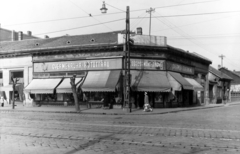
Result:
210,28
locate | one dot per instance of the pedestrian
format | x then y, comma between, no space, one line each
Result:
2,101
24,99
132,102
85,99
147,107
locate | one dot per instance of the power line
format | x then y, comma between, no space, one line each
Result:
89,14
80,27
197,23
222,36
188,36
53,20
197,14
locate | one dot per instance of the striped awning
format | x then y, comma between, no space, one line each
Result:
101,81
150,81
178,77
195,84
42,86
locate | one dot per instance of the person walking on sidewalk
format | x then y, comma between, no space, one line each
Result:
2,101
147,107
85,99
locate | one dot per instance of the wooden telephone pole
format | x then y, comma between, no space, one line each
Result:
150,12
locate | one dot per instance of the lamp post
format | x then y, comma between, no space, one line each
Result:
127,77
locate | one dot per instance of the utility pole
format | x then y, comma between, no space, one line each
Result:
221,56
150,12
127,63
127,77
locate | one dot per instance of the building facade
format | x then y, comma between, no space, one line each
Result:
170,76
235,84
219,86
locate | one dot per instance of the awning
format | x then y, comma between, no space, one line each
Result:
10,87
186,85
150,81
101,81
176,86
195,84
65,86
42,86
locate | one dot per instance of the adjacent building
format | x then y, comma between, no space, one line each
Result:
12,35
170,76
219,85
235,84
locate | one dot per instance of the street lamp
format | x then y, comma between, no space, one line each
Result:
127,77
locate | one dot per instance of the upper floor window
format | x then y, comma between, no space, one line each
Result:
17,74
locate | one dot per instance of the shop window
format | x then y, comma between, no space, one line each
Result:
159,98
95,96
18,75
59,97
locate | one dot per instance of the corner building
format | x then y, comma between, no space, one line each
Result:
171,76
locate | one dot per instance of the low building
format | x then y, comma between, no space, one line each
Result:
219,85
235,84
170,76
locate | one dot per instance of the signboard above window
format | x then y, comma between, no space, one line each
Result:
180,68
103,64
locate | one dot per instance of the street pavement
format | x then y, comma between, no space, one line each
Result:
96,110
201,130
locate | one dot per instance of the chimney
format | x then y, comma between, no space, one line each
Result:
13,35
20,36
29,33
139,31
219,66
46,36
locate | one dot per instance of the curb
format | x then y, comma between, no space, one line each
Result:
105,113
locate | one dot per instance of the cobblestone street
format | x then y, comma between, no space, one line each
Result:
208,131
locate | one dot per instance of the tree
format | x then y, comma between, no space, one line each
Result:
74,90
14,87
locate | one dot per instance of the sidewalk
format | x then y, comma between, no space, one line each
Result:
84,110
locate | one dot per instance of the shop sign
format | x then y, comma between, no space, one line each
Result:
147,64
180,68
144,40
78,65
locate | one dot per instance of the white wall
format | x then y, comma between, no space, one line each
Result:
16,63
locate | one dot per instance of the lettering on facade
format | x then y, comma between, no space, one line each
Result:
147,64
180,68
78,65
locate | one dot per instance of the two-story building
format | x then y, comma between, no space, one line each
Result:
98,61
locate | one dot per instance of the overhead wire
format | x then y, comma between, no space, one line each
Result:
137,23
80,27
89,14
198,22
184,34
196,14
53,20
188,37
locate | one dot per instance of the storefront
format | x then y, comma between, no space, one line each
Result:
171,76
